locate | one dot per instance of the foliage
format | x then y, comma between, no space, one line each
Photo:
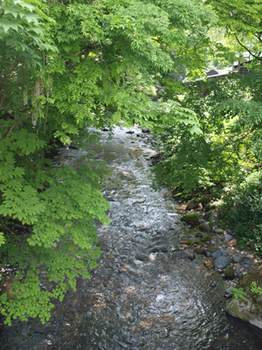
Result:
254,288
65,66
242,210
238,293
242,21
230,113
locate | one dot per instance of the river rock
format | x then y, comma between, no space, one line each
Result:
228,293
142,257
221,262
219,231
206,198
217,254
238,259
159,248
227,238
212,215
249,308
232,243
229,272
204,227
192,204
190,255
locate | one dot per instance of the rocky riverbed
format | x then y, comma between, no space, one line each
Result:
152,289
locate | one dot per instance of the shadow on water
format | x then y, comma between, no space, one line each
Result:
145,294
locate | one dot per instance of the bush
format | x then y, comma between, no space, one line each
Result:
242,210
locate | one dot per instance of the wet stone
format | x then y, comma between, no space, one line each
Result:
160,248
221,262
190,255
228,293
142,257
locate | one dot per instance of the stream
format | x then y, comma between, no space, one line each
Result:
146,293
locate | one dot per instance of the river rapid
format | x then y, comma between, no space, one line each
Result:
146,293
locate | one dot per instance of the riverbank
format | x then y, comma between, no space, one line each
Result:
221,252
212,239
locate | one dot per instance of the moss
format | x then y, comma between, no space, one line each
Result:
190,218
234,310
229,271
254,275
212,249
206,238
199,243
199,251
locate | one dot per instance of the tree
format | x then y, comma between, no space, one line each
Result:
242,21
66,66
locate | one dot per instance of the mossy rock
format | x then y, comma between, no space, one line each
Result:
254,275
249,308
212,249
206,198
206,238
192,219
229,272
199,251
202,226
199,243
239,308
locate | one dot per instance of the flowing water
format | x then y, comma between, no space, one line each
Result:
146,293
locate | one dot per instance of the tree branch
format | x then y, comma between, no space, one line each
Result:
244,47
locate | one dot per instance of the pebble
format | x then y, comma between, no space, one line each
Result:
219,231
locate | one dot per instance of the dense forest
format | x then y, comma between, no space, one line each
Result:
69,65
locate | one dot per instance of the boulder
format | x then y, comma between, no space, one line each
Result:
250,307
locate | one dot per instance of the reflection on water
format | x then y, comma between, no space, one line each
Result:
145,294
